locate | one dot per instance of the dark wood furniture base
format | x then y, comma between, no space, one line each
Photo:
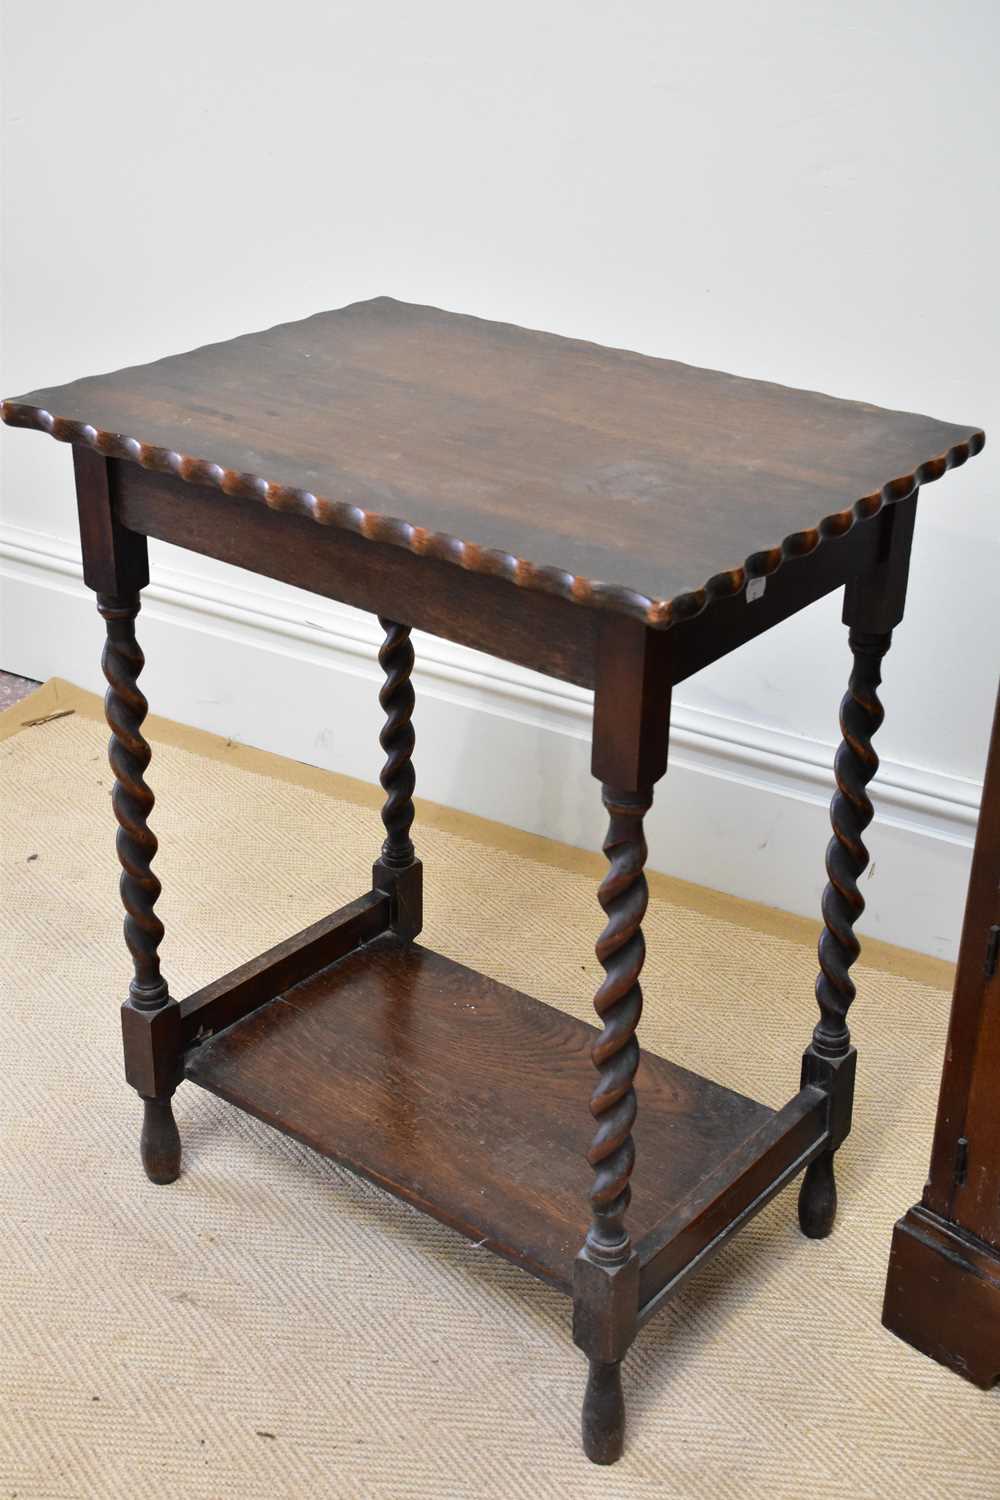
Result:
612,520
942,1295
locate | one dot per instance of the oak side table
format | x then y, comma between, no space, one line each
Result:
942,1292
609,519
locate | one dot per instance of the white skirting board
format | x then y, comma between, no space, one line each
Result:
742,809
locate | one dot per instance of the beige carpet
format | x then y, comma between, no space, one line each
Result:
272,1326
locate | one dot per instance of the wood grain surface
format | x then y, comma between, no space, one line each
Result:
466,1098
610,478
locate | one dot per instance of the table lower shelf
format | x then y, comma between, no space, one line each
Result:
470,1101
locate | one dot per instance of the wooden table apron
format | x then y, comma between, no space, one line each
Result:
609,1174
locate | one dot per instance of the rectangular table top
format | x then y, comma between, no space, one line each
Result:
610,478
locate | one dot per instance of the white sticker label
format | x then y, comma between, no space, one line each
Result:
755,589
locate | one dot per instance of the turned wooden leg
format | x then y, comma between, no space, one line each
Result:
830,1060
621,950
631,731
397,871
150,1018
607,1262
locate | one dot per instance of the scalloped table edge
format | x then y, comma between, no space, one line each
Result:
660,614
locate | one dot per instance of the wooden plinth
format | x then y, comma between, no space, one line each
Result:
469,1100
942,1295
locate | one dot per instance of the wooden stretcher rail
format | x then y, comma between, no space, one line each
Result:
725,1199
256,982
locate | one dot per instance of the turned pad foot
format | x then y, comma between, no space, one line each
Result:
818,1198
160,1143
604,1413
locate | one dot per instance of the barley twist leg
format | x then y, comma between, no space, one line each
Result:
851,812
608,1250
397,870
148,1001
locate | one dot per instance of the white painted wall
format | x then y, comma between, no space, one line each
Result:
803,192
